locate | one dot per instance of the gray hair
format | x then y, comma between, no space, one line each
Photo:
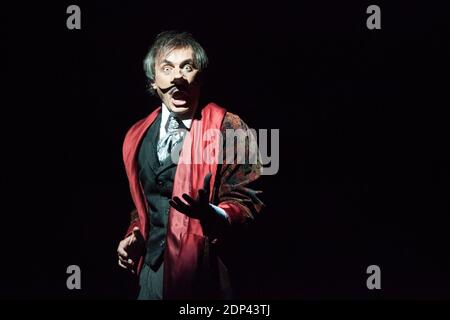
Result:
165,42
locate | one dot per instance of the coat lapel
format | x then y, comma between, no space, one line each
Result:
130,149
151,156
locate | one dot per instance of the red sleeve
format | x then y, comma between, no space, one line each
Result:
236,212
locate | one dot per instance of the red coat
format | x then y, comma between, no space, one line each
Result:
186,243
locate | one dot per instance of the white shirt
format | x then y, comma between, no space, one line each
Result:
165,117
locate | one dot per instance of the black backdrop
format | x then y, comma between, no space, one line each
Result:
364,161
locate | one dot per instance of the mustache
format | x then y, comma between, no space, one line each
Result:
171,89
181,85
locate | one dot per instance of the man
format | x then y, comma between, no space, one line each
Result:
185,206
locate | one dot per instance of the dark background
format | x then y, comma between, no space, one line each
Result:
364,161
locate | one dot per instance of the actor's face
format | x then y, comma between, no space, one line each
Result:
175,80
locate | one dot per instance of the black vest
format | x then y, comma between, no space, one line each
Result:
157,181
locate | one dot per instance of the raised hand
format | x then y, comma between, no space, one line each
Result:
197,208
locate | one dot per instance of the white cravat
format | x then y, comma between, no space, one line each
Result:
164,119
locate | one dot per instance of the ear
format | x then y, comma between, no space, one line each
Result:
153,85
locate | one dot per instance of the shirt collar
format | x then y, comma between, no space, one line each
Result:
165,116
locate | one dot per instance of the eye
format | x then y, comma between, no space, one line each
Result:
188,68
167,69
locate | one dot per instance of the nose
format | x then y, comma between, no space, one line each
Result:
179,74
179,78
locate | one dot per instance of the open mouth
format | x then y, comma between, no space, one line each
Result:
179,97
